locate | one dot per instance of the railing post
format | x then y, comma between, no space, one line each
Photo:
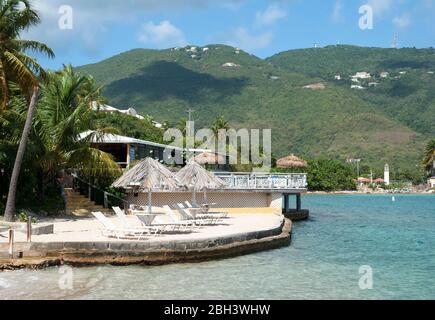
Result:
106,202
11,243
29,228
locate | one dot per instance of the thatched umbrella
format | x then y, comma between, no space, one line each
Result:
209,158
291,161
197,179
149,175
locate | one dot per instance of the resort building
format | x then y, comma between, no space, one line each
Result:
126,150
431,182
243,193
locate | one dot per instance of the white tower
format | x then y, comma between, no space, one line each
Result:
387,174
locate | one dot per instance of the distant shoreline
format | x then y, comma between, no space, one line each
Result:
367,193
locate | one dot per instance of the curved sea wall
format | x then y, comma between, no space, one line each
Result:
39,255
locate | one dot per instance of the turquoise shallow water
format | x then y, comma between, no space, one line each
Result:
397,240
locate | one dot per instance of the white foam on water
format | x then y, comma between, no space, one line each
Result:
4,284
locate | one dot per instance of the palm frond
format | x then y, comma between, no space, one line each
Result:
34,46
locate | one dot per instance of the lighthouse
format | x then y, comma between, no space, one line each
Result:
387,174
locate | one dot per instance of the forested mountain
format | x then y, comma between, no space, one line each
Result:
384,122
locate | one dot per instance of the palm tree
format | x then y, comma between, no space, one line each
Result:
17,16
64,112
220,124
429,156
16,66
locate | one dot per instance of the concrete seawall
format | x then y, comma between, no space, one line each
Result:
153,252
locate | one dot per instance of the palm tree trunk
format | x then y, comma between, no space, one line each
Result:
3,88
12,195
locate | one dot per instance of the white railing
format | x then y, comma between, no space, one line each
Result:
236,180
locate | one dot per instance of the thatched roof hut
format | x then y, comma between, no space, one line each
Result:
196,177
209,158
291,161
148,175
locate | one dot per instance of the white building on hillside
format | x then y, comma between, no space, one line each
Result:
109,109
360,75
130,111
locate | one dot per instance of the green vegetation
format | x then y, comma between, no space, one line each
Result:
55,145
16,66
376,125
129,126
326,175
405,94
429,157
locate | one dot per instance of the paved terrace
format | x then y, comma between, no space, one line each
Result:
80,242
90,230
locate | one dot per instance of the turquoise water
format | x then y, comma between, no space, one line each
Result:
397,240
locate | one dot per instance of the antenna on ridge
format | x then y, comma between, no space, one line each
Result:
395,43
190,111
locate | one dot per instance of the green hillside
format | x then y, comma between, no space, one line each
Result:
333,122
407,94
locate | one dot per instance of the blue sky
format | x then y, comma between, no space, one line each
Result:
103,28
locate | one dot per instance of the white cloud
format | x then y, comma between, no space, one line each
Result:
337,11
241,38
93,20
380,6
402,21
163,35
272,14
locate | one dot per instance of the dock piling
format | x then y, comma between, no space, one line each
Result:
29,229
11,243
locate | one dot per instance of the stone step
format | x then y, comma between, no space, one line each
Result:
85,212
83,203
80,205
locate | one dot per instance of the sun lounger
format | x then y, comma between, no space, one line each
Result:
127,225
120,233
176,218
221,215
197,214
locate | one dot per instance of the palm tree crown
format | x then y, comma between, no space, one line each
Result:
429,157
17,16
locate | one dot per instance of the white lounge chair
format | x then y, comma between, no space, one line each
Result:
219,215
166,222
189,223
127,225
120,233
193,214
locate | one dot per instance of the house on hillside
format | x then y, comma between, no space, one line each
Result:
130,111
109,109
357,87
360,76
230,65
431,182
